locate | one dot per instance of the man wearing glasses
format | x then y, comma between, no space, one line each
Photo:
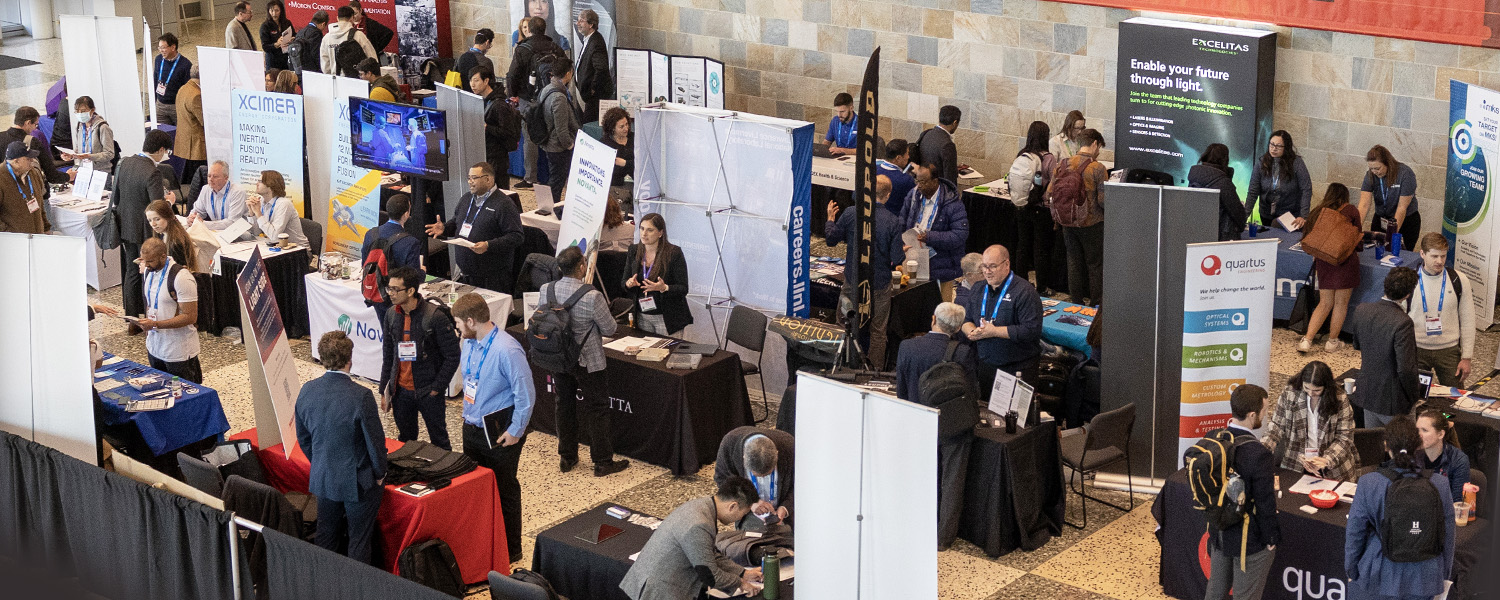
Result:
420,356
1004,321
489,221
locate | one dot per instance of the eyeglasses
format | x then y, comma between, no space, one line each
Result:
391,289
1277,146
477,177
986,267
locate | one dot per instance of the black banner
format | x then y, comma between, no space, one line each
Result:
864,186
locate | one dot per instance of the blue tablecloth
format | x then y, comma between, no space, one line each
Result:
1292,267
1068,335
193,418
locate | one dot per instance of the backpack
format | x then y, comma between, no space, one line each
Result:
508,130
536,579
431,563
294,54
1067,196
947,387
348,54
536,119
1217,489
553,347
541,67
1414,526
420,461
377,268
1458,287
1022,178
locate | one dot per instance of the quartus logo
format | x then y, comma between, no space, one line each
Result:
1218,45
1213,265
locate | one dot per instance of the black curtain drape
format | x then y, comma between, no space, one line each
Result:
297,570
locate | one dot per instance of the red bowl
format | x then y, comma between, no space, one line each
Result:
1323,498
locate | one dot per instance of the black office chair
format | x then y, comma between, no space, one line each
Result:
506,588
1105,441
314,233
1369,443
747,327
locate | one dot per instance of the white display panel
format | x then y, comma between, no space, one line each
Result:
99,58
827,484
220,71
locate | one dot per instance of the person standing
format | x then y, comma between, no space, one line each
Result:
171,73
1213,172
502,124
1385,560
1336,283
166,227
1387,341
1066,143
276,34
562,125
494,227
1279,184
272,212
897,166
1036,232
93,139
661,301
1244,563
311,44
589,322
919,354
681,553
936,210
619,136
137,184
594,80
339,431
22,191
521,83
1390,187
171,317
1443,315
338,33
191,143
1004,321
475,57
765,457
935,146
26,121
400,248
843,129
1083,236
969,266
497,379
237,31
420,355
379,35
219,204
886,255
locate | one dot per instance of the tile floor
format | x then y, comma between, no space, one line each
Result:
1117,557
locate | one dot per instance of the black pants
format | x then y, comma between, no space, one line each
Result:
132,290
1035,238
953,472
504,461
188,370
406,405
348,528
501,165
594,388
557,171
1085,263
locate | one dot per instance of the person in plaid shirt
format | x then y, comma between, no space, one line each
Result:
1312,429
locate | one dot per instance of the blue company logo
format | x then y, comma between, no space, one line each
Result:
1210,321
713,82
1462,140
269,104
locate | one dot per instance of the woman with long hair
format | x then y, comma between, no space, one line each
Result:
1279,183
1390,188
286,83
1213,172
1336,283
1312,429
276,34
1440,451
164,224
1366,562
1036,232
273,212
1064,145
657,278
618,233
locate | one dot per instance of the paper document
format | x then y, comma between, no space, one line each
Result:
461,242
105,385
625,343
1308,483
1346,491
81,179
96,186
970,173
1000,394
237,228
1287,222
62,150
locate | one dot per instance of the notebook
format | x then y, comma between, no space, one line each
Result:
496,423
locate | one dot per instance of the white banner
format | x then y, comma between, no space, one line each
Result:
148,74
1226,330
99,59
1468,215
325,104
220,71
587,193
354,203
633,79
268,137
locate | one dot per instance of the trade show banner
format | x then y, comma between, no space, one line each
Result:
273,375
561,16
338,304
1226,330
587,193
268,137
1183,86
354,206
864,183
697,81
1473,231
221,71
99,60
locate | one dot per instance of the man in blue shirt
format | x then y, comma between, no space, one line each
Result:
897,166
843,130
402,250
1004,321
497,381
884,256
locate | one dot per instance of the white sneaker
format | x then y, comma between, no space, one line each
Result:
1333,345
1304,346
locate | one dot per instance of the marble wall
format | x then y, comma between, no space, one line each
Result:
1009,62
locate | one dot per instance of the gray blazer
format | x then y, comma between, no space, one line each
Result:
685,540
137,183
1387,342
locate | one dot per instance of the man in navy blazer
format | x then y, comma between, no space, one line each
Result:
339,431
486,217
919,354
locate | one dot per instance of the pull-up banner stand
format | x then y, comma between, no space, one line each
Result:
1470,218
100,62
273,375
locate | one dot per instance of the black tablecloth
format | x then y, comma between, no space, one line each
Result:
1478,435
285,270
1310,556
991,221
1014,495
911,310
671,418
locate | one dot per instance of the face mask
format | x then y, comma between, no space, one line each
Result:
82,117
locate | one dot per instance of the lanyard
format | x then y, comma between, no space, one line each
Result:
756,480
995,313
29,185
85,148
842,131
929,216
223,204
162,62
475,206
161,281
471,370
1442,294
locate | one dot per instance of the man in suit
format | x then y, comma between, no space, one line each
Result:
1387,344
594,81
494,226
919,354
1257,467
22,192
138,183
191,143
680,561
339,431
764,457
237,32
936,145
26,122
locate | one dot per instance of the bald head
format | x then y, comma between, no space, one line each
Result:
996,264
882,188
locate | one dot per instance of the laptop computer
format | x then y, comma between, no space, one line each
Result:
822,150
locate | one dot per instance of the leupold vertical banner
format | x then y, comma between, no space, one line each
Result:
864,184
268,137
1226,330
273,374
1183,86
1472,230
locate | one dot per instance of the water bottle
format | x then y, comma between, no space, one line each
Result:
1396,244
770,570
177,388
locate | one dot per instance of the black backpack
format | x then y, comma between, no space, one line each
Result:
348,54
1217,489
552,345
947,387
420,461
536,119
1414,524
536,579
431,563
508,127
541,67
1458,287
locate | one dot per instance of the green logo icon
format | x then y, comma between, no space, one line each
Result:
1217,355
346,324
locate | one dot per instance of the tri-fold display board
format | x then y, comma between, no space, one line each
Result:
645,76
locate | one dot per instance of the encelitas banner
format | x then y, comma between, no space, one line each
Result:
273,375
1473,233
1226,330
268,137
1183,86
587,193
354,205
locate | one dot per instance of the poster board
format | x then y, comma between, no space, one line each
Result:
273,374
99,59
587,193
465,114
661,77
632,79
268,137
220,72
1470,219
345,198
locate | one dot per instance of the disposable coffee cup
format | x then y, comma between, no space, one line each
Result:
1461,513
1349,385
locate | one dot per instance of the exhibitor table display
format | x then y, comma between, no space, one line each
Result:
70,216
284,267
1067,324
992,217
672,418
1013,497
196,416
911,305
465,514
1293,266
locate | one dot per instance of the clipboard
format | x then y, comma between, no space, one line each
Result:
496,423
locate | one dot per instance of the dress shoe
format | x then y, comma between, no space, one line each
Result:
611,467
522,185
567,464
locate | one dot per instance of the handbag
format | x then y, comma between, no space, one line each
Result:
1332,238
1307,300
107,226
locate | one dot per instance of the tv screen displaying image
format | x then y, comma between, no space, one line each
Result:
399,137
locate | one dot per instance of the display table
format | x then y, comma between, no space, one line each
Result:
1068,335
912,306
338,304
1292,267
578,569
465,514
666,417
196,416
103,265
1013,497
549,224
1310,555
992,217
285,270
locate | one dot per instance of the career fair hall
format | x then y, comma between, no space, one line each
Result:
643,300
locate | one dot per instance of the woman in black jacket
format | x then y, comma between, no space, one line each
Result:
657,278
1279,183
1213,172
271,31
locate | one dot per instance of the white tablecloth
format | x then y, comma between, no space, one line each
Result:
834,173
103,265
549,224
337,304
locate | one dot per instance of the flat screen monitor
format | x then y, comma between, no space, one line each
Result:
399,137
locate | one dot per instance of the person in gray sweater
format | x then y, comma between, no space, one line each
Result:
680,560
562,125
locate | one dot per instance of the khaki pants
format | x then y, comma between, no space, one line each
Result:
1443,362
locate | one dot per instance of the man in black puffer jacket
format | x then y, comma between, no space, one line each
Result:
421,354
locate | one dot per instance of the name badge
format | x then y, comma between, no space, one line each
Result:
161,89
463,232
1434,326
151,314
471,389
32,205
1310,452
85,163
406,351
647,303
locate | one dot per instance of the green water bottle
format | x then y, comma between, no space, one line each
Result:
770,570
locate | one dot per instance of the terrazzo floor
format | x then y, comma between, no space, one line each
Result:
1117,557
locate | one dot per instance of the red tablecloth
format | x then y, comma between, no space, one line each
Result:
465,514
